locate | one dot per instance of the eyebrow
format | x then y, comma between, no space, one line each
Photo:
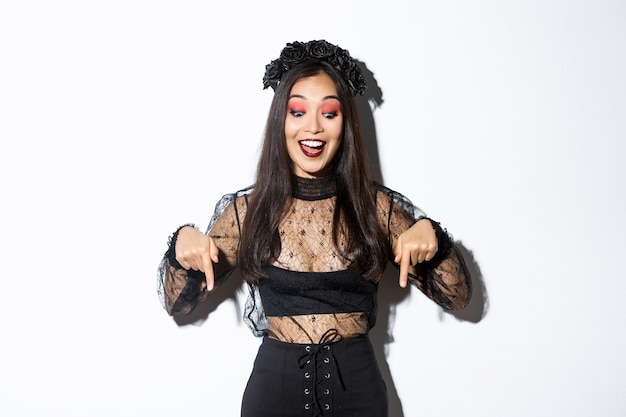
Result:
304,98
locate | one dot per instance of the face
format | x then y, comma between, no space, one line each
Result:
313,126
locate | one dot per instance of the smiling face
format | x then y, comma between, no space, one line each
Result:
313,126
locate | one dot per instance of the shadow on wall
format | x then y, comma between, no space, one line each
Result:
366,105
477,308
390,295
389,292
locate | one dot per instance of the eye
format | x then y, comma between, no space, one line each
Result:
331,110
296,112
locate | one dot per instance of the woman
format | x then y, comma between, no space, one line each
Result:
312,238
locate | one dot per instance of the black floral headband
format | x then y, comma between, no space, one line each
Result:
297,52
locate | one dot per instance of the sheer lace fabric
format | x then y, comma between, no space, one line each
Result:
309,290
312,328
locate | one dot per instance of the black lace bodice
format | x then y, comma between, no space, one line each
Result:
309,288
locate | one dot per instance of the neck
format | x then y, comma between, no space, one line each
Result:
313,188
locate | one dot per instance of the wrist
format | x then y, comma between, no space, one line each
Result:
171,250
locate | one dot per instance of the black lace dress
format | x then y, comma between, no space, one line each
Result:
312,311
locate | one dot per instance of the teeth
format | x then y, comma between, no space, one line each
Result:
312,143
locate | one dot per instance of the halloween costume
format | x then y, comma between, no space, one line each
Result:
312,310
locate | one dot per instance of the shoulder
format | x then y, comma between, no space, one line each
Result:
231,203
394,200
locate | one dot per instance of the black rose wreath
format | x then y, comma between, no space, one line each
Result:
297,52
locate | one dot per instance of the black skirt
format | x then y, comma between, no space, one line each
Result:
332,380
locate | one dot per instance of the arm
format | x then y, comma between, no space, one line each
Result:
194,261
424,252
444,278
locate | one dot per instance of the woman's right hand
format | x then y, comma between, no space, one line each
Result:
197,251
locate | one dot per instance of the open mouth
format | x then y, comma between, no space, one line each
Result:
312,148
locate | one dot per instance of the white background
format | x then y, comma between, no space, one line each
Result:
121,120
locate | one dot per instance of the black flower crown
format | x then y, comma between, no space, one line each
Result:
297,52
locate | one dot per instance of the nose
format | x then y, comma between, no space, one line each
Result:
314,124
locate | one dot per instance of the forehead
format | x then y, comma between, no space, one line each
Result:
319,86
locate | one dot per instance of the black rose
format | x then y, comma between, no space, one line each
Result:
341,58
273,74
321,49
293,54
354,77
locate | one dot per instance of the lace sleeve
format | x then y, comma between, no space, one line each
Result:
180,290
445,278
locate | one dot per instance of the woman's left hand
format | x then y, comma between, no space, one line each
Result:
416,245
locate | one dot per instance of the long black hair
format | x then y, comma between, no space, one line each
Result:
366,249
